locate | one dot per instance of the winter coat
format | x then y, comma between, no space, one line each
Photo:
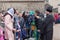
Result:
9,27
39,22
48,24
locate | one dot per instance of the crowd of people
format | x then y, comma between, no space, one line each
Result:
25,25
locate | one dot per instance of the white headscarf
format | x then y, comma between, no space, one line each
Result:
11,11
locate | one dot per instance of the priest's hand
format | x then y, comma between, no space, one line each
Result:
38,30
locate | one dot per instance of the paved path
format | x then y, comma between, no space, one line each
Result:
56,34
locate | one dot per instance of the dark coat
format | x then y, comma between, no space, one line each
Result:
48,27
48,24
39,22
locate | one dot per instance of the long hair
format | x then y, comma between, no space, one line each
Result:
23,15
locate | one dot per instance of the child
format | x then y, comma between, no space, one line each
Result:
1,33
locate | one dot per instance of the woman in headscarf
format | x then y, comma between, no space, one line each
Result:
9,24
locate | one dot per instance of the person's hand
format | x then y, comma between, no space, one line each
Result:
38,30
14,30
37,16
18,30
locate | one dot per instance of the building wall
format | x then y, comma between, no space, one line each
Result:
54,3
22,5
21,0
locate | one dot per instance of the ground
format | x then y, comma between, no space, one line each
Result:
56,32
